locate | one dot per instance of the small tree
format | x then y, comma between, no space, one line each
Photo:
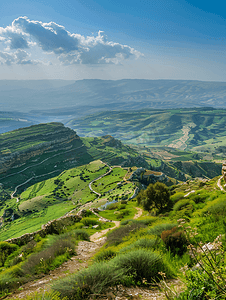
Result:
155,196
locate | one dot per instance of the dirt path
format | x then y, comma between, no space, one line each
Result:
181,142
219,184
139,213
85,251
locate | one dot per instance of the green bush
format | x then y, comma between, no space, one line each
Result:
11,278
90,221
176,197
81,234
104,255
143,264
116,236
139,244
200,286
93,280
159,228
218,208
5,250
42,262
145,222
183,203
155,196
122,214
113,206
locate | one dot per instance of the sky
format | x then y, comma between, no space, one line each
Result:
145,39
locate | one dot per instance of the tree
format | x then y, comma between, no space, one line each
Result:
155,196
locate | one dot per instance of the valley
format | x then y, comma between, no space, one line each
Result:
63,189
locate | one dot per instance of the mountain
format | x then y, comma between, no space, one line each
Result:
61,100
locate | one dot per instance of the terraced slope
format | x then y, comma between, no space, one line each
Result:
197,129
32,154
52,198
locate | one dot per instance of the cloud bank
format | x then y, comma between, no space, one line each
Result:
24,35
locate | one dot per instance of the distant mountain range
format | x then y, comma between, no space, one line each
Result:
27,102
56,96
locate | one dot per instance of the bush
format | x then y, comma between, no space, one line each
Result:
183,203
145,222
122,214
104,255
219,208
176,197
5,250
139,244
200,286
93,280
42,262
81,234
175,241
10,279
159,228
116,236
143,264
90,221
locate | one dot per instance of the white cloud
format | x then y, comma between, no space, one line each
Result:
19,57
69,48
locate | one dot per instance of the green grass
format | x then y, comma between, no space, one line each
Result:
117,214
110,181
33,222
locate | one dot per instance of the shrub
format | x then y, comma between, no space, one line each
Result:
219,208
104,255
10,278
175,241
113,206
143,264
123,201
116,236
93,280
176,197
159,228
122,214
141,243
81,234
42,262
6,249
90,221
183,203
144,221
122,206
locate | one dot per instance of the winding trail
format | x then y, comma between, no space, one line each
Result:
219,184
85,251
101,176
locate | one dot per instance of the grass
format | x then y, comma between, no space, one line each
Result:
119,214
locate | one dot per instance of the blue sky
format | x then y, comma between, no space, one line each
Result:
113,39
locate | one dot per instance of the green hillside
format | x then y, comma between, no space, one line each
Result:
52,198
32,154
196,129
176,250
